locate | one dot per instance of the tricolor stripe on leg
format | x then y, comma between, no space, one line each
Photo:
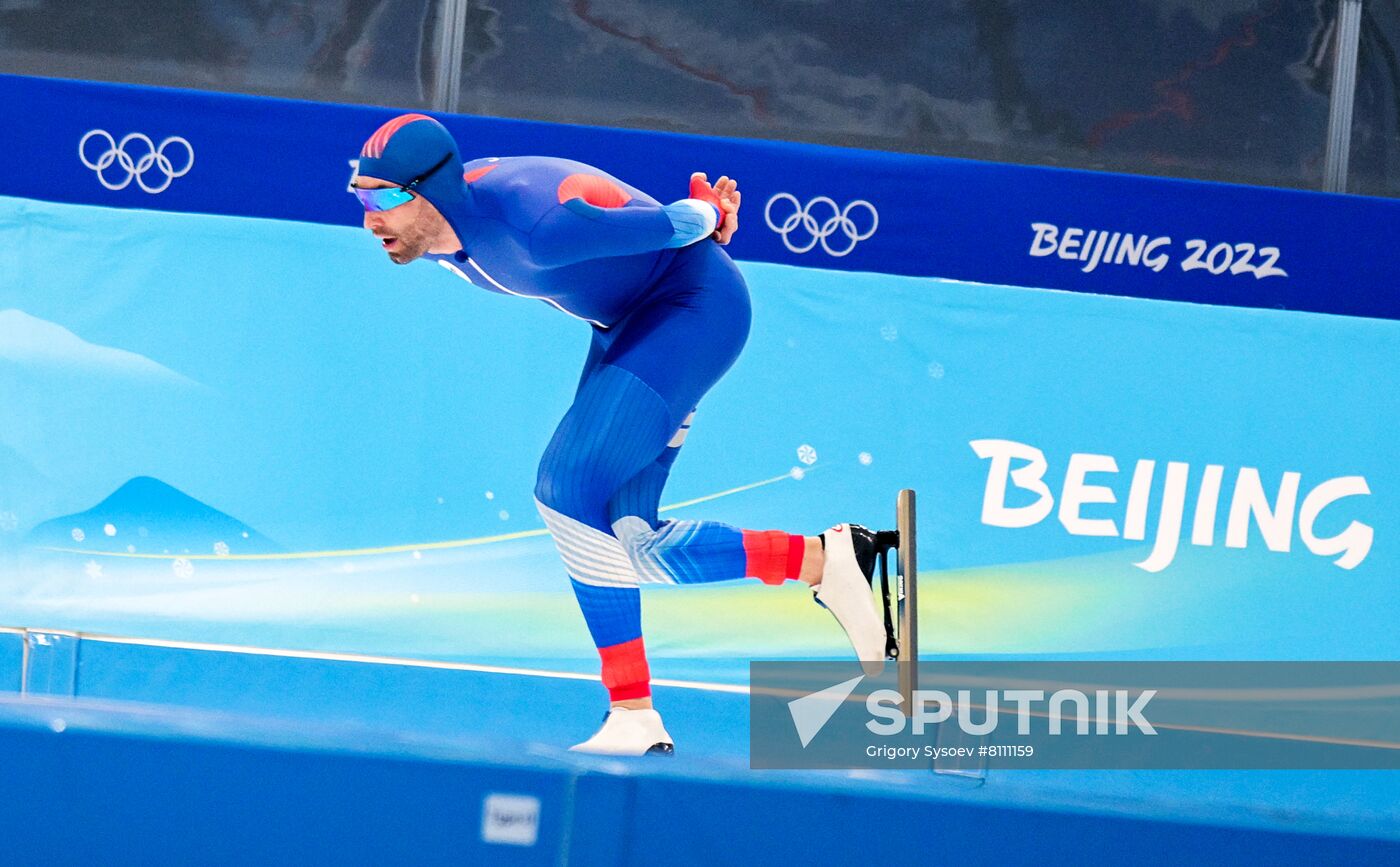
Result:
590,556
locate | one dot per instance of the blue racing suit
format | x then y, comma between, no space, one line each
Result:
669,313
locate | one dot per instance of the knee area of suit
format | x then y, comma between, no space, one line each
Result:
561,484
636,536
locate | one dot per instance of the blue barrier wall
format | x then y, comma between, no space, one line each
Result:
811,205
181,754
124,783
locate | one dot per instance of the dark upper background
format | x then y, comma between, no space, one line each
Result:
1234,90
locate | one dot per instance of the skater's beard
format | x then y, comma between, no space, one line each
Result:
416,238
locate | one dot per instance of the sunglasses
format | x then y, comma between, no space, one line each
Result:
384,198
387,198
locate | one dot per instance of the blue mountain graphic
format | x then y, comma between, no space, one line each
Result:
154,518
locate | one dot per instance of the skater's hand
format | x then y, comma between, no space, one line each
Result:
726,191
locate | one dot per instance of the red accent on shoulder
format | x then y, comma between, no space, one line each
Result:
478,174
596,191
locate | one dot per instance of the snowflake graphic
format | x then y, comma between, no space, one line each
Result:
505,516
806,454
93,569
797,473
182,568
9,522
935,370
221,549
490,495
890,333
866,458
110,530
78,534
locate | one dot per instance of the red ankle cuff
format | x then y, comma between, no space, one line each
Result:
797,549
629,691
625,670
772,555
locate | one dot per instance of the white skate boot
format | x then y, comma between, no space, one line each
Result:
627,732
846,591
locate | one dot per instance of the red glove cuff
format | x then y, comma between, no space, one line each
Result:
701,190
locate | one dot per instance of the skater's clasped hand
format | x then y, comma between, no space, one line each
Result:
726,189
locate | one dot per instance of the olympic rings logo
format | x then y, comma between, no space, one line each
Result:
806,219
154,159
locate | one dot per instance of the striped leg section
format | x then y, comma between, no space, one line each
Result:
693,552
598,490
699,552
605,585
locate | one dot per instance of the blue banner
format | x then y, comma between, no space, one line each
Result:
805,205
260,432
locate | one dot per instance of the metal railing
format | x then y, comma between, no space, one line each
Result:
1339,121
